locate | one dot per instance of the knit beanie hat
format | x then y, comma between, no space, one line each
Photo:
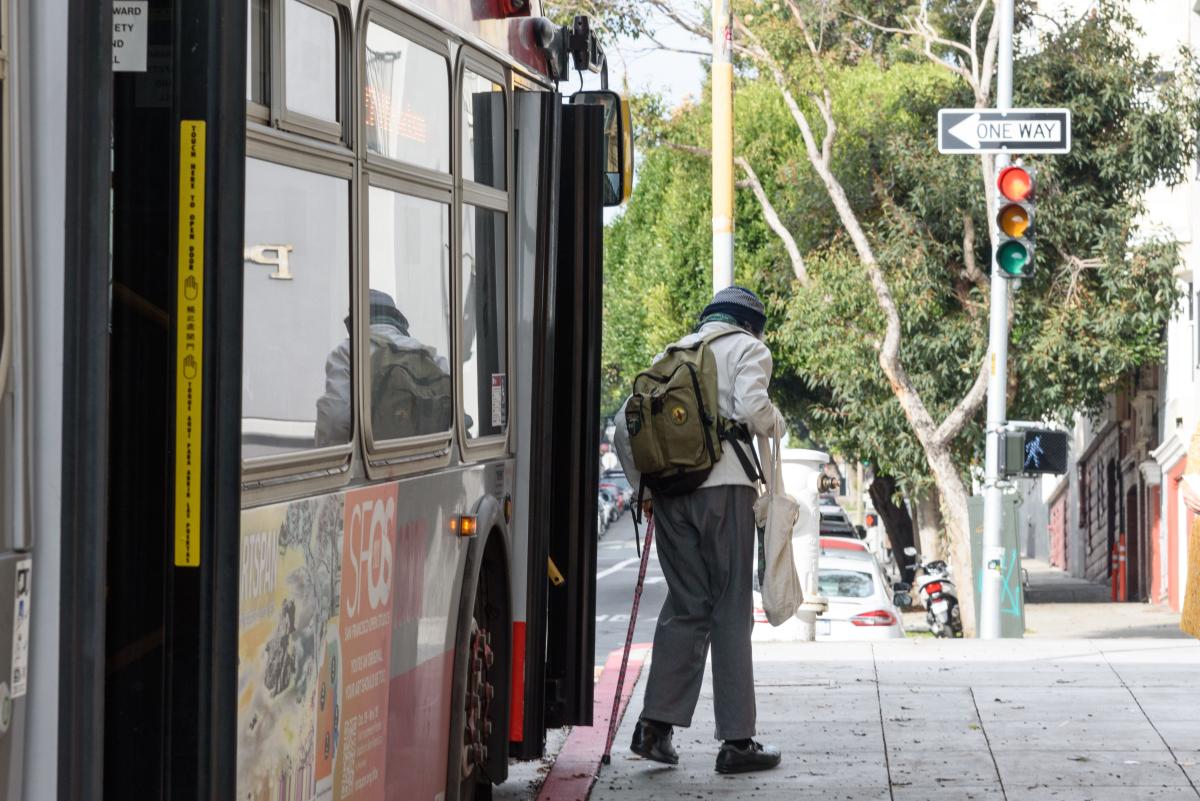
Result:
741,304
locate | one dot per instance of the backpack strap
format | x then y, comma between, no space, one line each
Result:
706,340
737,434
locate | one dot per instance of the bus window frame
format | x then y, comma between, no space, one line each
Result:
433,444
492,199
298,122
398,457
261,112
7,206
267,144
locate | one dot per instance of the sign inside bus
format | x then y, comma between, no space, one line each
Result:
380,118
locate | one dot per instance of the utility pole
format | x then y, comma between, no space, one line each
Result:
997,402
722,144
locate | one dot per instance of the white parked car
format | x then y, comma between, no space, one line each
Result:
860,602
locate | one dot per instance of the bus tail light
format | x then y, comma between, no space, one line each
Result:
464,525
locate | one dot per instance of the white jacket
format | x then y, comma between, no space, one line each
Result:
743,373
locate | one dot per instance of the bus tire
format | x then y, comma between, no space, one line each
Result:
477,756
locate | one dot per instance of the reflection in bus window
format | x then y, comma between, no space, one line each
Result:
297,295
485,324
409,258
310,72
483,130
406,101
258,32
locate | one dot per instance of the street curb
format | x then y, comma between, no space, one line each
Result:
574,771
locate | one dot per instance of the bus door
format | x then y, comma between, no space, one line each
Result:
573,444
150,544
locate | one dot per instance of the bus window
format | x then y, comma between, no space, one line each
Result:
406,101
485,324
311,61
409,301
483,131
296,351
258,32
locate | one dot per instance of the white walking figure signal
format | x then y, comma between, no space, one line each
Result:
1034,452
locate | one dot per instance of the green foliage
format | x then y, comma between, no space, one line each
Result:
1094,310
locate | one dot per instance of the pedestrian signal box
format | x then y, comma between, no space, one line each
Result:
1014,222
1033,452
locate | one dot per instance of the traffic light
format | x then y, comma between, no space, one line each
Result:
1033,452
1014,221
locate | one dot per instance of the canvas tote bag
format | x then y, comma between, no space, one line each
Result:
776,512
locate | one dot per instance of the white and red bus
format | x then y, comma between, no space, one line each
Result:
301,313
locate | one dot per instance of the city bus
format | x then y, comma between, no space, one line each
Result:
300,322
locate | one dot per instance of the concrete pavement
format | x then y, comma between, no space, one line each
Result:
926,720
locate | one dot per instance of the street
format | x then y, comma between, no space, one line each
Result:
616,575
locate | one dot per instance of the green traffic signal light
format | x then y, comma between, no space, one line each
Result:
1012,257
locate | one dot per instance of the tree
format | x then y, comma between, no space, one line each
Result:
880,331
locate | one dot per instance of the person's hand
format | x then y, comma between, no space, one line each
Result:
647,507
1191,492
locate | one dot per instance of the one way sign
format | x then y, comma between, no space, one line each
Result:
1016,130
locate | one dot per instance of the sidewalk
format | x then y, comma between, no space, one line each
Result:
936,720
1058,606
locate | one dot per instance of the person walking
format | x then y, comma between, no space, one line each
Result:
705,540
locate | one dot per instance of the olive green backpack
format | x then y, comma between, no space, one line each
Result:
675,429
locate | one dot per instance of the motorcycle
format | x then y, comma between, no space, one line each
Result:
938,593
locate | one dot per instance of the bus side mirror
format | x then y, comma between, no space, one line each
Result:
618,142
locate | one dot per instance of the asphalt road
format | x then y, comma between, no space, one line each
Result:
616,576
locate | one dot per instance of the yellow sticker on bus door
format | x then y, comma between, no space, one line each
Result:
189,344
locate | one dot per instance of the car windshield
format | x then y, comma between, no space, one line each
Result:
837,583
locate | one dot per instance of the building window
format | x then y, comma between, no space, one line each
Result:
406,101
296,387
409,307
485,323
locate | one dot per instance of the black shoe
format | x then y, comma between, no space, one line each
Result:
745,756
653,741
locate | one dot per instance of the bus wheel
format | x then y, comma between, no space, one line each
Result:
479,708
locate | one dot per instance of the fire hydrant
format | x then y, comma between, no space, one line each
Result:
804,479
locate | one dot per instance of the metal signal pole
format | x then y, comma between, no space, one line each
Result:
722,144
997,402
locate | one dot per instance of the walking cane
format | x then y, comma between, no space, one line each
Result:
637,599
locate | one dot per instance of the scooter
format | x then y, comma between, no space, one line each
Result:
940,596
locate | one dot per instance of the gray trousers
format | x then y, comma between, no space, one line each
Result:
705,542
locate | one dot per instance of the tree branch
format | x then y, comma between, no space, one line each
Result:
973,272
764,201
773,220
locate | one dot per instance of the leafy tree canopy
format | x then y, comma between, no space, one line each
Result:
1103,287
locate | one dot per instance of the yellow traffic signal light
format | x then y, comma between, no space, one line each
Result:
1014,246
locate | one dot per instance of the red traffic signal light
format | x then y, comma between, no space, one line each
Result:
1015,184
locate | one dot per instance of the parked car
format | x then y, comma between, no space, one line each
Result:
606,506
612,502
617,477
836,523
829,543
617,495
860,602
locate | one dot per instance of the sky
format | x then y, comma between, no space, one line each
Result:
639,65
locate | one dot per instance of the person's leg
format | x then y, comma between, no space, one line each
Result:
681,636
725,516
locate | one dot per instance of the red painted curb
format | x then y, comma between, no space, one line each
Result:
575,769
